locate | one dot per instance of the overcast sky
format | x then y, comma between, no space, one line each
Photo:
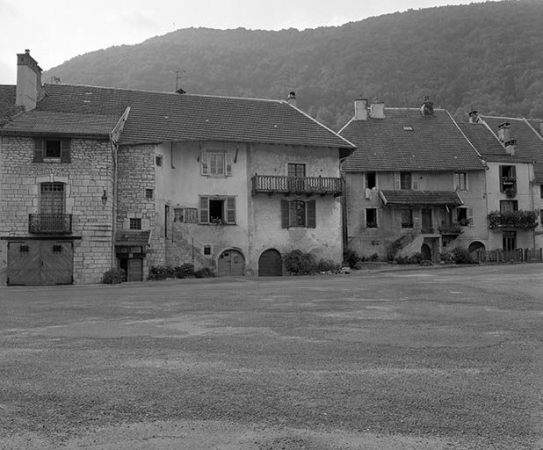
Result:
58,30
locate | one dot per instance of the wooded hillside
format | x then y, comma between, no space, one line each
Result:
487,56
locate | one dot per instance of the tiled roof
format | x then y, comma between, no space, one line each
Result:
158,117
410,197
407,140
59,123
529,145
132,237
488,144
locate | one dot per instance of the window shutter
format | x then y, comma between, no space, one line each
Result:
397,184
311,214
205,163
415,185
231,210
470,216
284,213
513,171
228,164
204,209
65,156
38,150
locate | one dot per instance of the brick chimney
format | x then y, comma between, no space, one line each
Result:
377,110
29,86
292,99
361,109
504,132
427,108
473,116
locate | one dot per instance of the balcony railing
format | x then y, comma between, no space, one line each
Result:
512,219
270,184
451,229
50,223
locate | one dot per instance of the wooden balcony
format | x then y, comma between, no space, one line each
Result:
50,223
270,184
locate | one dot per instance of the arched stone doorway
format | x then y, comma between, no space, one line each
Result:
231,264
426,251
270,264
476,246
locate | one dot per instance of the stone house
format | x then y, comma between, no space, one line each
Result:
513,151
93,178
414,181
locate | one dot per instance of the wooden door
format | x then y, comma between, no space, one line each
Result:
24,263
56,263
231,264
134,270
270,264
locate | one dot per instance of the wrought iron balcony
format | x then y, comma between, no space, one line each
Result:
453,228
50,223
271,184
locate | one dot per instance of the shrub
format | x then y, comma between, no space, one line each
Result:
328,266
350,258
398,244
114,276
184,271
300,263
447,257
160,273
204,272
462,256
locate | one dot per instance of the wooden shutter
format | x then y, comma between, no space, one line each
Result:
513,171
65,156
311,214
397,183
38,150
205,163
204,209
230,209
470,216
284,214
228,164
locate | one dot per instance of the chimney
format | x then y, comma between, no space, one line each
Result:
504,132
377,110
361,109
427,108
28,81
292,99
510,147
473,116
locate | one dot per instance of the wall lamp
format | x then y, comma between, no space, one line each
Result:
104,198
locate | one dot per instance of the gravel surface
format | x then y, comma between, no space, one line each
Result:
413,359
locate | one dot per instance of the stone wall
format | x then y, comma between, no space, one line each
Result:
86,177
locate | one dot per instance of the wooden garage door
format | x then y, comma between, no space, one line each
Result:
270,264
231,264
40,263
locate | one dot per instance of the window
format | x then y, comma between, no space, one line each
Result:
371,218
541,190
166,219
52,200
402,180
508,178
57,249
135,224
298,213
149,194
508,205
509,239
462,217
51,150
207,250
296,170
371,180
541,217
216,164
407,218
218,210
461,181
158,160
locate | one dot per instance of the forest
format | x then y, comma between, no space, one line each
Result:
484,56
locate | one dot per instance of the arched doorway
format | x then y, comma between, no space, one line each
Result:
231,264
270,264
476,246
426,252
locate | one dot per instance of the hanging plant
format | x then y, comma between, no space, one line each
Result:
510,192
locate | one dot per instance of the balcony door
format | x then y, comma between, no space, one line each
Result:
427,220
52,206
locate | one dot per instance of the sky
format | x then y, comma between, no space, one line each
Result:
57,30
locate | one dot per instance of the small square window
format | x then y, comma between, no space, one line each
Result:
371,218
158,160
52,149
135,224
57,249
149,194
23,249
207,249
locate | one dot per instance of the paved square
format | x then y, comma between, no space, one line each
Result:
412,359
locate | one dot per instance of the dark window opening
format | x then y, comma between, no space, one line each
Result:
52,149
462,217
297,213
158,160
216,211
509,240
508,205
166,219
371,218
23,249
149,194
407,218
207,249
371,180
57,249
405,180
508,178
135,224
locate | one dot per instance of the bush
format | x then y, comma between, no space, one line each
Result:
447,257
160,273
328,266
462,256
204,272
114,276
415,258
184,271
299,263
398,244
350,258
